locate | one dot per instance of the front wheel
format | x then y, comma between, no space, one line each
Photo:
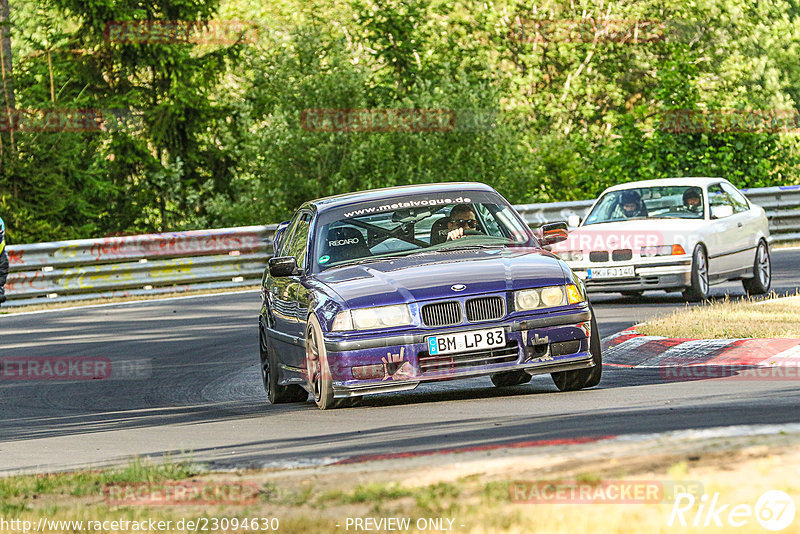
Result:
762,272
320,382
583,378
699,289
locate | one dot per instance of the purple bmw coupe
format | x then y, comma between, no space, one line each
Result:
381,290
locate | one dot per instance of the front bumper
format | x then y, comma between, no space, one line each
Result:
546,344
665,275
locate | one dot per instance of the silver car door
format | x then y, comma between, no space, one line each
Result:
726,235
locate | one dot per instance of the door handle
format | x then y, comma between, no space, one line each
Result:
739,225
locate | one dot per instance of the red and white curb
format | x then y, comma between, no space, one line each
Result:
660,441
764,358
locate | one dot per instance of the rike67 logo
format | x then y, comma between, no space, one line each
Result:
774,510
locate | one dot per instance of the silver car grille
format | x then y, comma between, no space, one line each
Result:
602,256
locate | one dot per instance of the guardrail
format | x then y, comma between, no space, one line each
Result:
137,265
234,257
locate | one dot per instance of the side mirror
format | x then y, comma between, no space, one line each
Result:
553,233
276,238
283,266
720,212
574,221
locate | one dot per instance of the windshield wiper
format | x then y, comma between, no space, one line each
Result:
469,247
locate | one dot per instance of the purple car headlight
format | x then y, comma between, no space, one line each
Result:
372,318
547,297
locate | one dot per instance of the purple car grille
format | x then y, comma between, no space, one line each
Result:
451,362
450,313
485,309
441,313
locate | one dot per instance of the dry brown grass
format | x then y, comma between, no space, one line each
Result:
731,319
321,499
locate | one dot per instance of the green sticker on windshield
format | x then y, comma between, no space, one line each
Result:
325,259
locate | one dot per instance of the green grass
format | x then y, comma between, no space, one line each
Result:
365,494
82,483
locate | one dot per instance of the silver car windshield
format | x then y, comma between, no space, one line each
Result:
664,202
401,228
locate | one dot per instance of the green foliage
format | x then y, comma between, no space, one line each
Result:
217,138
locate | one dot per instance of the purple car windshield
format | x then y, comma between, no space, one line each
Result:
416,224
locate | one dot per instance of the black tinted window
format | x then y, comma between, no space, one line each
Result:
298,242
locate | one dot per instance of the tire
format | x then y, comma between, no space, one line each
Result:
276,393
583,378
699,289
762,272
320,382
510,378
632,294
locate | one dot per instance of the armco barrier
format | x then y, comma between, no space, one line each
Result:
136,265
234,257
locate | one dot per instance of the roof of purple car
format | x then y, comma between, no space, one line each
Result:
397,192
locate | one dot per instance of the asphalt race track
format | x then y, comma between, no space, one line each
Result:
186,381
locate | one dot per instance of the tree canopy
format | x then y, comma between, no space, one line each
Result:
169,127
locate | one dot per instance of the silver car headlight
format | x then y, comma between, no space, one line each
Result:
662,250
547,297
372,318
571,255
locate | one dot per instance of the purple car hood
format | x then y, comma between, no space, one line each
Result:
431,276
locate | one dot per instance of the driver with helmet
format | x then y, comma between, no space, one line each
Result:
693,200
632,205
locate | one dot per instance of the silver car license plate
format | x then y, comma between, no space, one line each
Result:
611,272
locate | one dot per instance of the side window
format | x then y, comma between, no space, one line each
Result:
288,234
718,197
297,244
739,201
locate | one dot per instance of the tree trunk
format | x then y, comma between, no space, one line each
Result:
5,55
6,81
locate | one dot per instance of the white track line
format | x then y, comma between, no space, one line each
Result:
145,301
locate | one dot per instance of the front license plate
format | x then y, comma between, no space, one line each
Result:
467,341
611,272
